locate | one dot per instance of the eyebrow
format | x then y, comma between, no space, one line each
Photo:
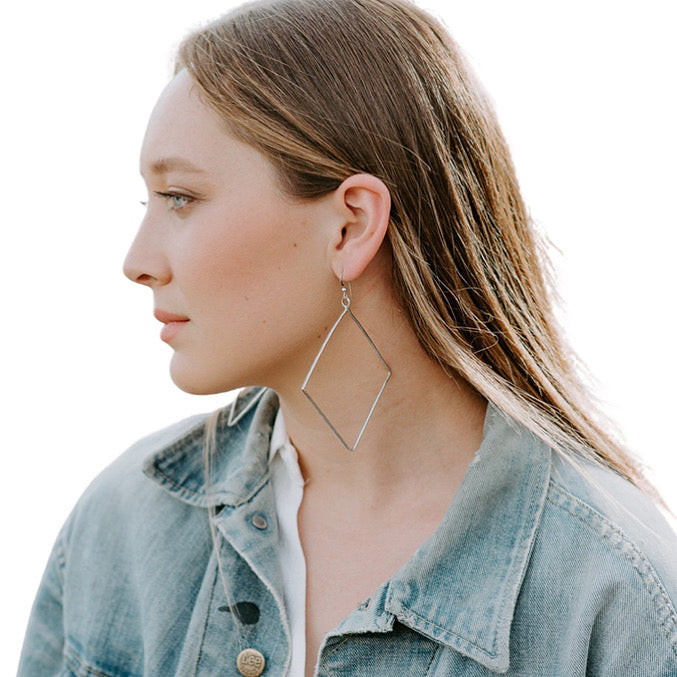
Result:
168,164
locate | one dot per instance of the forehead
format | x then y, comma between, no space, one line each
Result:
186,138
182,131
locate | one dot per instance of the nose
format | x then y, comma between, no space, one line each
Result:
145,262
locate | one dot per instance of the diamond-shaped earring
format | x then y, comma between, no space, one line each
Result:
347,314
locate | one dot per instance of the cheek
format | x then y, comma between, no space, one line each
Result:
255,269
262,297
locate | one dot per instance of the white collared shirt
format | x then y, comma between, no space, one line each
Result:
287,483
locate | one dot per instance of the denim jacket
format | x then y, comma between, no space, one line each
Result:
540,568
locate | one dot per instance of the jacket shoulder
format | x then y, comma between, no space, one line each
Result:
122,521
605,559
614,512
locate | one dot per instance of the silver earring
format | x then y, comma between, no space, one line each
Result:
346,313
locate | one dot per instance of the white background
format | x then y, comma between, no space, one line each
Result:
586,94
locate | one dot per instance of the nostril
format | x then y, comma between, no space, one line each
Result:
146,265
135,273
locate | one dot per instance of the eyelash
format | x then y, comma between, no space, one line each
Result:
170,198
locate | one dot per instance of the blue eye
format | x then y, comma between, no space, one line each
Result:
178,201
175,201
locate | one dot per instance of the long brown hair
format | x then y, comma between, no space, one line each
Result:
329,88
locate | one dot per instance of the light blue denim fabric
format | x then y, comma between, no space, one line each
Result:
539,569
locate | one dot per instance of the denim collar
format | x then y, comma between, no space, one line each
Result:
461,586
244,431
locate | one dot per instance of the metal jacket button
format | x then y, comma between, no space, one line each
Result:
250,663
259,521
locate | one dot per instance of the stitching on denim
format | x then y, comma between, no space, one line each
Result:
522,554
180,489
74,659
446,631
206,624
190,493
183,445
438,648
324,658
629,551
60,560
176,485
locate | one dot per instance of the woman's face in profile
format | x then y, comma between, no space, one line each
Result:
238,271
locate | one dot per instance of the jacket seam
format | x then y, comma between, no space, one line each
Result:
520,554
60,560
615,539
333,650
79,666
438,648
179,490
176,486
200,653
329,671
427,621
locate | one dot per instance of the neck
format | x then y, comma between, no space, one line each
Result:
425,420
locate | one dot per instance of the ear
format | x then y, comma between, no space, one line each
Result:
362,207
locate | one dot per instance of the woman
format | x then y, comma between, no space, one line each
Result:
419,484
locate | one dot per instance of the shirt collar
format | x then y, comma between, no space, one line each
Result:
460,588
278,438
282,451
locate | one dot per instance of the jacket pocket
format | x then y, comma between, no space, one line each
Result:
78,666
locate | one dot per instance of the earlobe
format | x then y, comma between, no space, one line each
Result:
363,201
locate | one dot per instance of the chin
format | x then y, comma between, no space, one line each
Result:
195,382
196,388
209,377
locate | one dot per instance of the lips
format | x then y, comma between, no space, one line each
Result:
173,323
166,317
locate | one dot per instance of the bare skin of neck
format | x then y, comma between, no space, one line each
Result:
364,513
